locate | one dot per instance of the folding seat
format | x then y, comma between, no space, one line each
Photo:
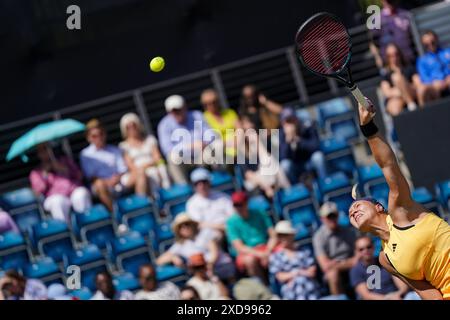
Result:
297,204
173,200
443,193
23,206
424,197
338,156
44,269
90,260
52,238
94,226
369,177
222,181
138,213
126,281
14,252
81,294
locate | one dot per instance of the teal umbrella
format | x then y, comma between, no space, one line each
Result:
42,133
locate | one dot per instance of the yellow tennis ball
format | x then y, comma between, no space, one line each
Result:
157,64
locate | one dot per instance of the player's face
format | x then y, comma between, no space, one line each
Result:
361,213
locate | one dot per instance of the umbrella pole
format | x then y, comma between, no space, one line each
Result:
51,154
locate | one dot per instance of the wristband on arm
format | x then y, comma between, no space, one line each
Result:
370,129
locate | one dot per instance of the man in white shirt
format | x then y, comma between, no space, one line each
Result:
209,208
151,289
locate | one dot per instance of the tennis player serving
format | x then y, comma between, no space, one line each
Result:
415,242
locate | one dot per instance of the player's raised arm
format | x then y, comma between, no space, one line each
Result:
399,192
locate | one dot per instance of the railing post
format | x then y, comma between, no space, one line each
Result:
298,77
218,85
333,86
140,108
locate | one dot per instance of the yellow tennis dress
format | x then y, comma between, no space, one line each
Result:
421,251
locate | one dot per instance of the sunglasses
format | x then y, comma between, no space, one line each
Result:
212,102
365,248
332,216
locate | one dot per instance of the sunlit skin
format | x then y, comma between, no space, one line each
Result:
147,278
210,102
180,115
202,188
97,137
369,217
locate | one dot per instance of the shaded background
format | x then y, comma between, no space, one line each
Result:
45,67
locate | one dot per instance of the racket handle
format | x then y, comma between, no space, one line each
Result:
360,97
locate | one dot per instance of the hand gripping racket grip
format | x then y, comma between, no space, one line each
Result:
359,97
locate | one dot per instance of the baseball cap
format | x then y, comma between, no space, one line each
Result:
284,227
200,174
197,260
328,208
239,197
174,102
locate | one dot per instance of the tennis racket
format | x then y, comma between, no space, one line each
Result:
323,45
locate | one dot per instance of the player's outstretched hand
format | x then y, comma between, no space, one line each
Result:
366,115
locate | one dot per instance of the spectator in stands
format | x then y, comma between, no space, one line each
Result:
221,119
189,241
208,286
103,164
252,237
107,291
59,181
390,287
14,286
334,248
434,65
397,84
151,289
142,157
259,168
299,148
252,289
183,136
395,28
294,269
189,293
7,223
209,208
255,103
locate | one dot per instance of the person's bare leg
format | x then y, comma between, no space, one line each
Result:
253,268
334,282
404,86
395,106
103,193
141,185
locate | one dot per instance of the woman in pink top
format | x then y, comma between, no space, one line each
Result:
59,181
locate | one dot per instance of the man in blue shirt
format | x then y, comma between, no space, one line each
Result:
103,164
434,65
183,136
387,288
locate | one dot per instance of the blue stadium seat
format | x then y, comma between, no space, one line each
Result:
137,212
239,176
297,205
129,252
52,238
443,193
424,197
82,294
332,109
173,200
222,181
23,207
126,281
369,177
44,269
336,117
90,260
260,203
13,251
94,226
164,236
170,272
338,155
336,188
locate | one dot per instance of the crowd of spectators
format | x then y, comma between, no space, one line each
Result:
232,251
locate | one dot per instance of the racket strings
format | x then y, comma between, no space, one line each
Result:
324,45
